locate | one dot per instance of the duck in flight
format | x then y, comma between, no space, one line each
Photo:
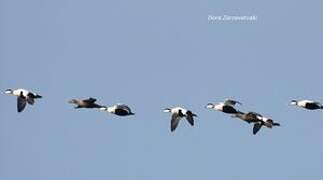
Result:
249,117
307,104
257,119
119,109
85,103
177,113
264,121
23,97
228,106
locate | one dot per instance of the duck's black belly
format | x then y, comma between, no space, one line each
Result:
121,112
312,106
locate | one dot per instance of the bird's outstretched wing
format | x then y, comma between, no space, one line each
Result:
89,100
189,117
231,102
124,107
256,127
21,103
30,100
174,121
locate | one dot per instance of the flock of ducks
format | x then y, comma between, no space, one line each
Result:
25,97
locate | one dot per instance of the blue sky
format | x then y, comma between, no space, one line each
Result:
152,55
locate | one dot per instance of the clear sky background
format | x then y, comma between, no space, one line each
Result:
151,55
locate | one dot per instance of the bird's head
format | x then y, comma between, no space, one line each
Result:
8,91
73,101
293,102
209,106
167,110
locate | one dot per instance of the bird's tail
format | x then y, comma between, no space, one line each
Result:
38,96
34,95
276,124
98,106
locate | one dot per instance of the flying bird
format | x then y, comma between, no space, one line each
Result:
85,103
228,106
249,117
257,119
307,104
264,121
177,114
119,109
23,97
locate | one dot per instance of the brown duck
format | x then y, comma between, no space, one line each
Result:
85,103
